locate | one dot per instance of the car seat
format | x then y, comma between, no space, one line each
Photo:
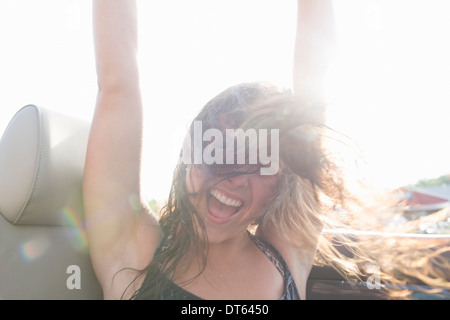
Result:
43,246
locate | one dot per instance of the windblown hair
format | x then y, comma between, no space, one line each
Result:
311,188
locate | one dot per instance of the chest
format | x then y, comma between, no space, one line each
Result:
256,278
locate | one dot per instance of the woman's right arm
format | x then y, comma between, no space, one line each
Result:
122,233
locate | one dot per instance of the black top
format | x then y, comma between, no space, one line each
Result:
173,291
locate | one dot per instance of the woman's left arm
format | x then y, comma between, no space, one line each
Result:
315,45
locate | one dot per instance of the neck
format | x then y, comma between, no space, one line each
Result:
229,249
223,255
220,259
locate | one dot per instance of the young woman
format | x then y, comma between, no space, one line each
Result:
228,231
201,247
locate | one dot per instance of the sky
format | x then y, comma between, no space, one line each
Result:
389,86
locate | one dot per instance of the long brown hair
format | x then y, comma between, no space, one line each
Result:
249,105
311,188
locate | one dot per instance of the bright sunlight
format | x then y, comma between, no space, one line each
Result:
388,88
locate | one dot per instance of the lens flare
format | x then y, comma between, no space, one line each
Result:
77,231
33,249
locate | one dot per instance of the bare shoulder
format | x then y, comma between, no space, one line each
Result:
299,260
122,264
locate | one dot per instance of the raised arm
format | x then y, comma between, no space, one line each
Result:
121,231
315,45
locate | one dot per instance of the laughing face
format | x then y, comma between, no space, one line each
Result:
230,205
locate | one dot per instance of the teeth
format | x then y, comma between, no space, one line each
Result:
222,198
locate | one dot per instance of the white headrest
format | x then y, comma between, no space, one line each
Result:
42,155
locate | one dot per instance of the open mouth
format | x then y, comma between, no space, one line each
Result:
222,207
